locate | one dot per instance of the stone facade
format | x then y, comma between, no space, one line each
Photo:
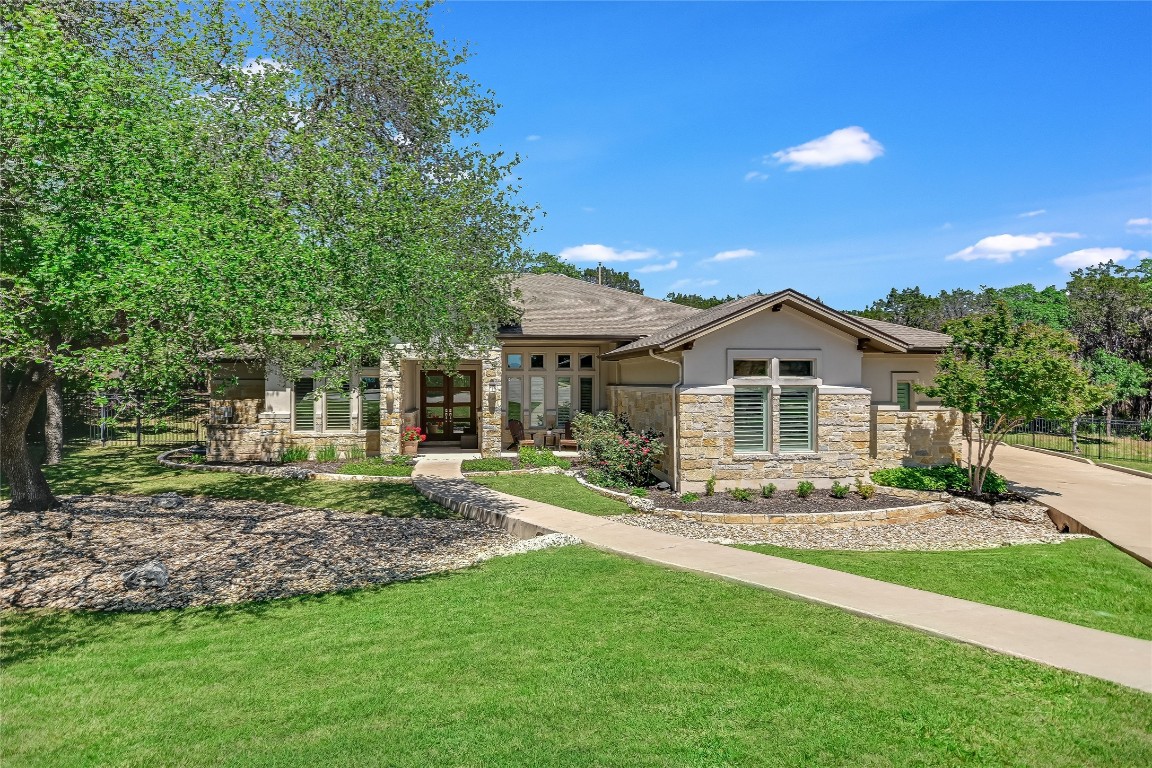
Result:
647,408
922,438
490,408
391,409
263,439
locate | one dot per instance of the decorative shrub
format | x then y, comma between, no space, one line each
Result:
946,478
532,457
839,490
355,453
804,489
740,494
605,480
866,490
689,497
710,486
641,492
610,446
768,491
326,454
294,453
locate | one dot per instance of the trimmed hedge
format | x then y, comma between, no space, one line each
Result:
946,478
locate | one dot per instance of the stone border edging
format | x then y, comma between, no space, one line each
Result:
935,507
163,460
532,471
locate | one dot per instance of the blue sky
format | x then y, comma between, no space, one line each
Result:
840,149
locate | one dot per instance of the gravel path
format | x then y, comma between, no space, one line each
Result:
943,533
218,551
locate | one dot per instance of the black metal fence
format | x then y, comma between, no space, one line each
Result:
1124,442
117,419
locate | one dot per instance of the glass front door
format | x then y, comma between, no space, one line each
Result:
448,404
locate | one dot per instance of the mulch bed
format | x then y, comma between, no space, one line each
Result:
783,503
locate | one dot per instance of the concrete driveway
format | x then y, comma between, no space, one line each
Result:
1115,505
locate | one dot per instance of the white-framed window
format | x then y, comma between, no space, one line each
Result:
752,419
774,366
345,410
549,387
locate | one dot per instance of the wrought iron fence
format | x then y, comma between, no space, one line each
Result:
1118,441
118,419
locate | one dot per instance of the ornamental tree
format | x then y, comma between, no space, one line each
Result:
1002,374
168,198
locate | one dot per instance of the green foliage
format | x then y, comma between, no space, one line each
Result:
865,490
911,306
604,480
740,494
486,465
381,466
1146,429
547,263
945,478
689,497
355,453
804,489
326,454
768,491
294,453
641,492
710,486
698,301
1124,378
839,490
610,447
532,457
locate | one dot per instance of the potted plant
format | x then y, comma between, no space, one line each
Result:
410,439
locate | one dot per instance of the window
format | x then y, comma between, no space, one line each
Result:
370,402
319,411
338,410
536,401
536,361
904,395
586,362
586,390
795,419
564,362
516,361
751,420
516,399
796,368
563,401
750,368
304,411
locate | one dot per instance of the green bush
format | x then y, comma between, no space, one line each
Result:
768,491
804,489
641,492
710,486
326,453
355,453
689,497
532,457
609,445
294,453
604,480
946,478
866,490
485,465
839,490
740,494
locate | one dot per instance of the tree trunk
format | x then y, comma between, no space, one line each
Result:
26,482
54,424
1108,421
1075,441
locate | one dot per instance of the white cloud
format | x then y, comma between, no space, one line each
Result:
847,145
739,253
596,252
755,176
1031,214
533,137
1002,248
689,283
1143,224
1086,257
261,65
658,267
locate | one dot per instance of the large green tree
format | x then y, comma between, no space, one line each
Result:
1002,374
169,198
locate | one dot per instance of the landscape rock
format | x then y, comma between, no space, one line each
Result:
662,486
641,504
964,506
151,575
168,500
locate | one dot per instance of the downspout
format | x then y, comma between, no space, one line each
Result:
675,418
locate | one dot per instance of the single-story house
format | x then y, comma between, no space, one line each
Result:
775,387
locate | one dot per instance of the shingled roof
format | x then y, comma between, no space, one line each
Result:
888,337
558,306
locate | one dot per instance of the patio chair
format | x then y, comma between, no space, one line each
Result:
566,441
516,427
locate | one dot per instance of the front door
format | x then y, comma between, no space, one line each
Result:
448,404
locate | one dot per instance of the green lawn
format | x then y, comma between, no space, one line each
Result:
560,490
1087,581
1126,451
555,658
135,471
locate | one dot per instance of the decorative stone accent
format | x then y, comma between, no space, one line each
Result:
641,504
490,409
925,437
152,575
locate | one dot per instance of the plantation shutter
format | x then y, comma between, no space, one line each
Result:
795,419
586,393
338,411
751,420
904,395
304,419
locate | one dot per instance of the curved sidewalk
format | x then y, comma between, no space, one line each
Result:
1113,505
1119,659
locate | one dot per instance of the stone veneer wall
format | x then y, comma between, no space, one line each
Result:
928,436
391,414
490,408
647,408
707,449
263,440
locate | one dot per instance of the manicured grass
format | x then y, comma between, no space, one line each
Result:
560,490
379,467
1143,466
1087,581
485,465
567,657
1126,451
135,471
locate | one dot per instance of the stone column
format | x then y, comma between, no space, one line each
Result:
491,406
391,406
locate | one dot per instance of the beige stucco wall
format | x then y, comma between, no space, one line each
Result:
647,372
880,370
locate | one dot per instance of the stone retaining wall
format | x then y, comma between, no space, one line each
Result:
925,437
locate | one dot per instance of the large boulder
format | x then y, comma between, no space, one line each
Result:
168,500
150,575
641,504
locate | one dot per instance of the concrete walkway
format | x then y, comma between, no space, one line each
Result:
1116,658
1112,505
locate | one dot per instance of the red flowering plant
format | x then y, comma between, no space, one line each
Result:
413,435
615,454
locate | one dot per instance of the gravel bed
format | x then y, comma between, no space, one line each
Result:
782,503
219,551
951,532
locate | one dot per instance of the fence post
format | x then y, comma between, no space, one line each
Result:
103,425
139,429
